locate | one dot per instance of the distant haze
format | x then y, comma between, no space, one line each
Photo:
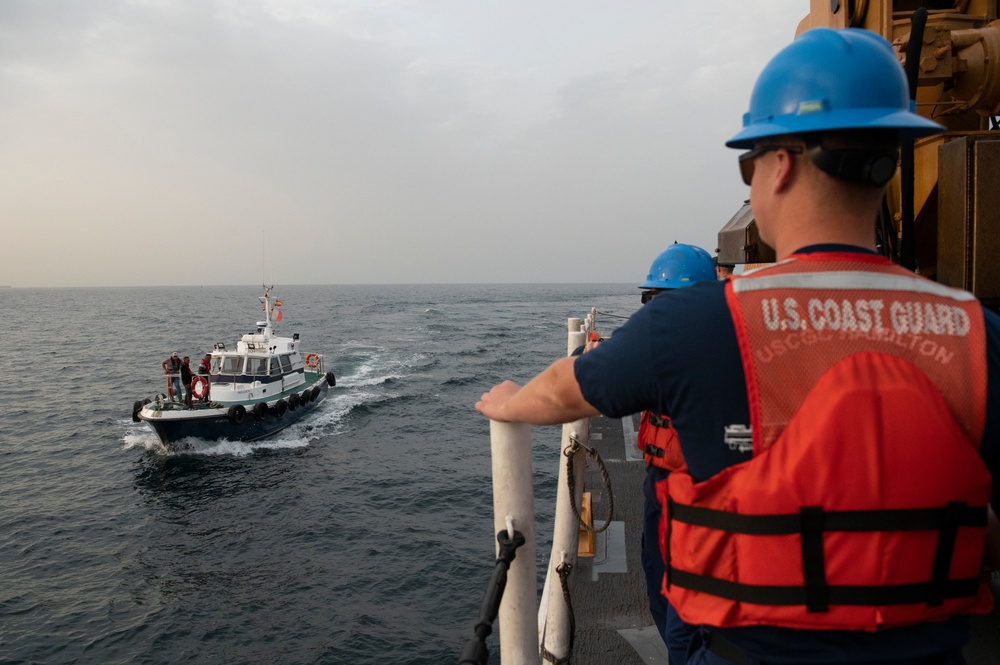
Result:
167,142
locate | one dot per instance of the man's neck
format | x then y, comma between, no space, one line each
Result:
786,246
801,206
800,226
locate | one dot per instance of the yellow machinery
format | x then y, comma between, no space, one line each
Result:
942,210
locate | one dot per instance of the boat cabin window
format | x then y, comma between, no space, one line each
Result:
275,367
257,365
216,364
232,364
286,363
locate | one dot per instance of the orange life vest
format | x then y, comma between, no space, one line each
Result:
657,439
864,504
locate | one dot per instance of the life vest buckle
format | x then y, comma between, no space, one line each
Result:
659,421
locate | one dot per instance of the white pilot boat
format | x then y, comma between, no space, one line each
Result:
263,386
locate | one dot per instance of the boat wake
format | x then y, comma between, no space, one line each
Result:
142,437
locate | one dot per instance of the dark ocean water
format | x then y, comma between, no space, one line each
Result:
360,535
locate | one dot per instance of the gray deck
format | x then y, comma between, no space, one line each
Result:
609,590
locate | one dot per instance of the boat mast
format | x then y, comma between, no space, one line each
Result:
266,299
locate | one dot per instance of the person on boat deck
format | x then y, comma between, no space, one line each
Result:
205,369
172,367
836,501
678,266
186,377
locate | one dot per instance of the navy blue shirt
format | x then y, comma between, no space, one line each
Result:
678,355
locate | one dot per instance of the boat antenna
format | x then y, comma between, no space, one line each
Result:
263,265
270,265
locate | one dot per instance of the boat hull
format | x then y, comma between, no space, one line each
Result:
215,421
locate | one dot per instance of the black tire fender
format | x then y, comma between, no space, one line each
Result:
259,411
293,401
237,413
331,379
279,407
314,393
136,407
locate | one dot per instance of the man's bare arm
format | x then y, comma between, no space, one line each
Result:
550,398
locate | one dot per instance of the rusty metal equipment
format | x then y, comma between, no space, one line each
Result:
943,206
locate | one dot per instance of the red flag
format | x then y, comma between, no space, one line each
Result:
278,317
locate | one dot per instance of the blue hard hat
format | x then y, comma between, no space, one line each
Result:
832,79
678,266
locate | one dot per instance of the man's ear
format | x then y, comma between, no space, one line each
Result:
786,170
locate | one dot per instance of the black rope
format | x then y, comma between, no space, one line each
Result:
564,570
570,451
614,316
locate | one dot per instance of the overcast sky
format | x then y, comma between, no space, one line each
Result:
166,142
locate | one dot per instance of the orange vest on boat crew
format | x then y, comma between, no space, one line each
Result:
657,439
864,504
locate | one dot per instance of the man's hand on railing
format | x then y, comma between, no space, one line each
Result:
492,404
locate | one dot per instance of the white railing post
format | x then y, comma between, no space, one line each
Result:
554,614
514,505
565,543
577,335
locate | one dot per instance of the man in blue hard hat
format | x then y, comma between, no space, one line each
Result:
677,267
836,500
723,270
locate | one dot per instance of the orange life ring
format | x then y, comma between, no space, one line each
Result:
199,387
312,361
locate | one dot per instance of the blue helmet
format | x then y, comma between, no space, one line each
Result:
832,79
678,266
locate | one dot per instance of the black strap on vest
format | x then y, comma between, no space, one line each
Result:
944,551
653,451
759,594
656,421
659,421
811,523
813,561
903,519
